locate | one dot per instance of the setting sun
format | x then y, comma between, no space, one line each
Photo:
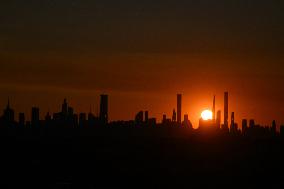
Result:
207,115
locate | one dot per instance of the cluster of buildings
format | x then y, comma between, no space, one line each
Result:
67,118
229,125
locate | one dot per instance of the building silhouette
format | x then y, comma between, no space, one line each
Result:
166,121
146,116
218,119
104,109
64,109
233,126
152,122
9,114
179,108
251,124
226,111
186,122
139,118
174,116
274,128
164,118
214,109
35,116
67,118
244,126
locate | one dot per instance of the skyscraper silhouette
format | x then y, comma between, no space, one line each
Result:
218,119
104,109
214,109
179,104
164,118
186,122
226,111
244,126
139,118
233,126
9,114
146,116
251,123
274,127
64,108
174,116
35,116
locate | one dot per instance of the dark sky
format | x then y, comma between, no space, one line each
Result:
142,53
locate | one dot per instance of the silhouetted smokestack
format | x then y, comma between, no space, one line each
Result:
179,98
226,110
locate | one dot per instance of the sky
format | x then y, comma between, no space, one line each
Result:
142,53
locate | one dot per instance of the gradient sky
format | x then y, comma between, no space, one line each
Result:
142,53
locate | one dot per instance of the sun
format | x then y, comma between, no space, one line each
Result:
207,115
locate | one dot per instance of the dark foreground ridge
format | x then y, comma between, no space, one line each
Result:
70,151
140,158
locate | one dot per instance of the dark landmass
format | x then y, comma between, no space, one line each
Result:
109,157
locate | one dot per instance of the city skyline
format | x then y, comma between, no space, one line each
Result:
218,116
142,94
142,53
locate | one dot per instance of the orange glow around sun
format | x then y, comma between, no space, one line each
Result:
207,115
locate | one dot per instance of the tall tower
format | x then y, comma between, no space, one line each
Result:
214,109
218,119
179,98
104,109
226,110
174,117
